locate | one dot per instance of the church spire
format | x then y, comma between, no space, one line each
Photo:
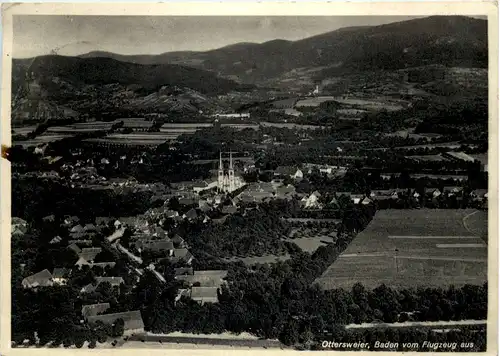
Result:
221,166
230,160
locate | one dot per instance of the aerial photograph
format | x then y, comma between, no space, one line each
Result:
309,183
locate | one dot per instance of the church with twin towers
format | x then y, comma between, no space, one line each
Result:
227,180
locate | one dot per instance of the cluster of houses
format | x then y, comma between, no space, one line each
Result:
201,286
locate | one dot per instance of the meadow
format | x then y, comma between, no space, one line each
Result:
409,248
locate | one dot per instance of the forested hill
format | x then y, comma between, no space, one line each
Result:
448,40
88,71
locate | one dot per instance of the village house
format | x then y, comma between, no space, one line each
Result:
181,271
178,241
479,194
166,246
202,286
285,192
205,295
357,198
73,247
102,264
191,214
209,278
289,171
453,191
181,255
312,202
229,209
433,192
114,281
366,201
133,323
87,255
56,240
41,279
59,275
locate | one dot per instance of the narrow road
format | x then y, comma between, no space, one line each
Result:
207,341
416,323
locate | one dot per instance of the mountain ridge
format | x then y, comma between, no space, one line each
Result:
448,40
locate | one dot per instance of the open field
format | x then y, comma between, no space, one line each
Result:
313,102
42,139
408,248
140,139
291,126
24,130
83,127
427,158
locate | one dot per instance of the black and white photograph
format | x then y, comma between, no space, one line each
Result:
251,182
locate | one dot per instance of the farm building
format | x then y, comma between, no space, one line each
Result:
133,322
41,279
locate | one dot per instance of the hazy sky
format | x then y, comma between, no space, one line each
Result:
72,35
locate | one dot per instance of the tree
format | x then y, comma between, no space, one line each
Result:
118,328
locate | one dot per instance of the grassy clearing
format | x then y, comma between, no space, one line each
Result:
403,248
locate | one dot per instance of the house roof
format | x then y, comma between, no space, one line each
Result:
75,248
204,294
94,309
221,220
132,319
229,209
114,281
102,220
182,253
453,189
42,278
187,201
204,206
171,213
184,271
285,170
158,231
91,250
18,221
317,194
56,240
431,190
89,227
102,264
205,278
191,214
59,272
49,218
89,253
155,245
89,288
177,239
366,201
76,229
480,192
289,189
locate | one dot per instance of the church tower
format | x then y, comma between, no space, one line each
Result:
232,184
220,184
